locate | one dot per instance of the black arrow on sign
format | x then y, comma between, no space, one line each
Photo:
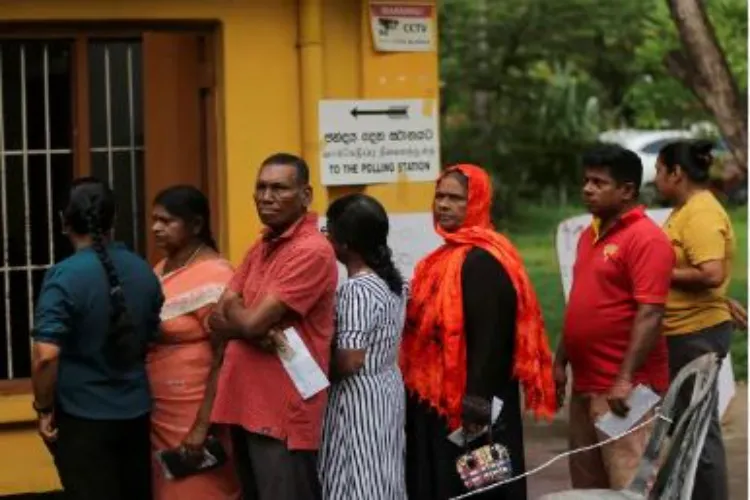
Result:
391,112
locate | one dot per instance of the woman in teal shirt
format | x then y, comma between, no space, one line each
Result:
95,315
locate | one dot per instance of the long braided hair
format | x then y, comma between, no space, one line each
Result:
91,211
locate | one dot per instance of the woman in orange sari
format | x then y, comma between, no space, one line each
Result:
474,331
182,367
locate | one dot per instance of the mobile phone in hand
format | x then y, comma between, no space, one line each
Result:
176,464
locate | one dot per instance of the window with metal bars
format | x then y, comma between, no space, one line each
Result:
37,149
116,118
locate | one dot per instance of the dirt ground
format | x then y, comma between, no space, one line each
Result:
545,441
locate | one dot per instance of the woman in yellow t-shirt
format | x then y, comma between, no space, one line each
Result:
697,319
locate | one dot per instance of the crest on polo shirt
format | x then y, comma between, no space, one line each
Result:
610,251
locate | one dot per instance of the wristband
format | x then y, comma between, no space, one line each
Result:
42,411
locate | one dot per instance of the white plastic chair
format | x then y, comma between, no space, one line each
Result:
674,479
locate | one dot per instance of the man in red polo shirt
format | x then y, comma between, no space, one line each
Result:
287,279
612,336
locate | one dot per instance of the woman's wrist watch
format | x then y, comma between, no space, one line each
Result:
42,410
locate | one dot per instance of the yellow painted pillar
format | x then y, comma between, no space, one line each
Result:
311,91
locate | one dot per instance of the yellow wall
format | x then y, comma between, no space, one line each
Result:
260,98
392,76
260,112
356,71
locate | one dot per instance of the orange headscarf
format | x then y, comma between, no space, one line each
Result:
433,352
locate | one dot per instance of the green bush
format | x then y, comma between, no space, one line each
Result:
533,232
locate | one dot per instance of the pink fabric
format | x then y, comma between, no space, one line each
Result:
255,391
178,371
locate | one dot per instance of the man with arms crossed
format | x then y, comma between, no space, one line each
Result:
287,279
612,333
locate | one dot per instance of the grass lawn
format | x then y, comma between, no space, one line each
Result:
533,232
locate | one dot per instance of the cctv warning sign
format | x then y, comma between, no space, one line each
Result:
402,27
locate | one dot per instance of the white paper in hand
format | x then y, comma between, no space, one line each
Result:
641,400
301,366
457,437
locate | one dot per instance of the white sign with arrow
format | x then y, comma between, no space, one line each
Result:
378,141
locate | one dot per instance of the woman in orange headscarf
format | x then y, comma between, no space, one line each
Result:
474,331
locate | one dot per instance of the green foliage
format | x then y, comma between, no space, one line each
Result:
533,233
657,98
526,85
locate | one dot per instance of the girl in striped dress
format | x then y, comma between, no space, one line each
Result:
362,453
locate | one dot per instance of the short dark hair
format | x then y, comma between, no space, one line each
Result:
693,156
303,171
623,164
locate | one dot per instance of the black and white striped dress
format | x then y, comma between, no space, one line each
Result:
363,448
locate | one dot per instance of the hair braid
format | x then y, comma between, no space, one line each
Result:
382,264
121,347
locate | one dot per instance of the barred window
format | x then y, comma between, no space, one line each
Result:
37,146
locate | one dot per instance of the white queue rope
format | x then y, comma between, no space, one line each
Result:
554,459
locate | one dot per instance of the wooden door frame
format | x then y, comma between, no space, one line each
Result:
79,33
186,152
28,30
211,103
81,126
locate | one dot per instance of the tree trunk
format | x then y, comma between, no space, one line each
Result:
702,67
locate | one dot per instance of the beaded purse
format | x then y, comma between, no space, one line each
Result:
484,466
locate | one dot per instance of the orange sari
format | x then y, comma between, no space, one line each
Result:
433,350
178,370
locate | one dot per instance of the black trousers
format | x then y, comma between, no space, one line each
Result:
711,476
269,471
103,459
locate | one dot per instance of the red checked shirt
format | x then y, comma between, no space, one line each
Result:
630,264
255,391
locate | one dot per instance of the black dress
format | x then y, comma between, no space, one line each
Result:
489,302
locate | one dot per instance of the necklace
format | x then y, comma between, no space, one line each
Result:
189,261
